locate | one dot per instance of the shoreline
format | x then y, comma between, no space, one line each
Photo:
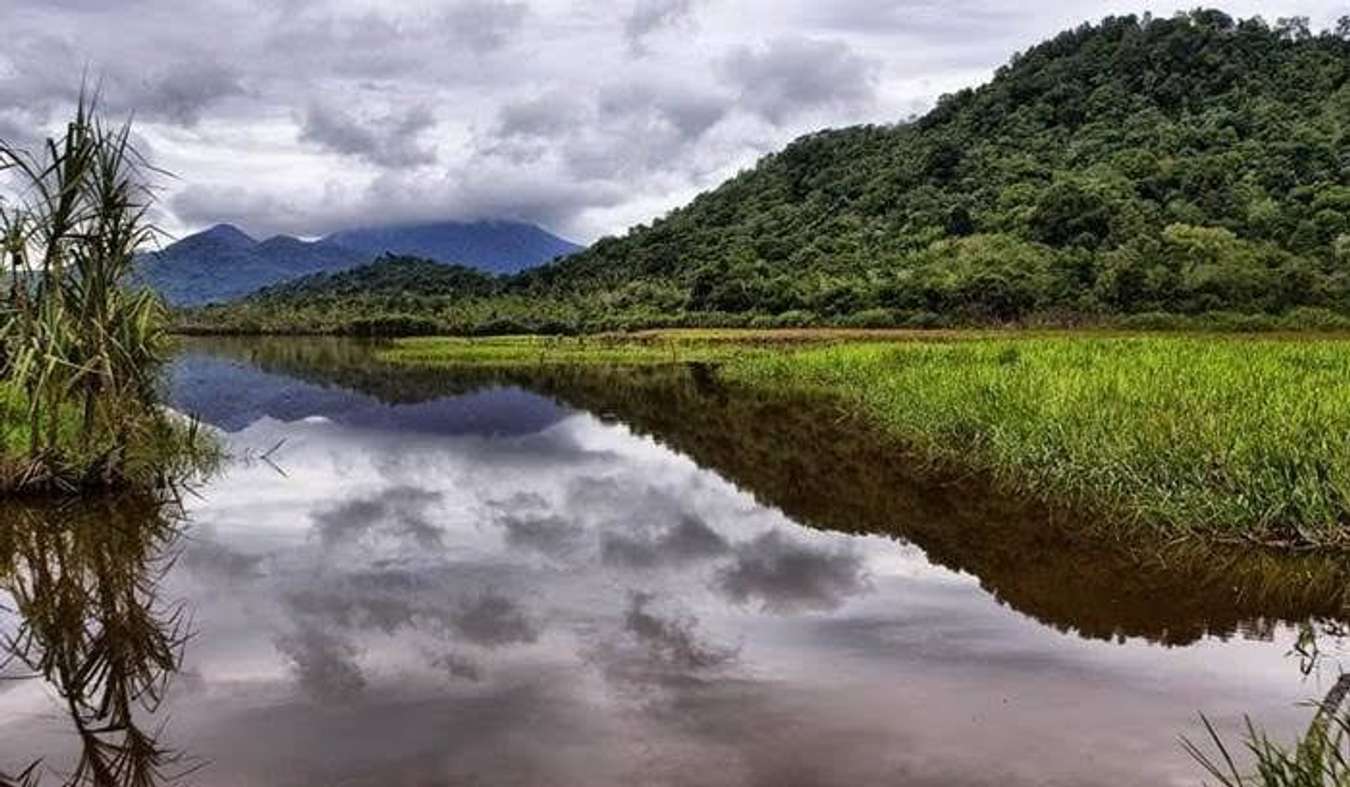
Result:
1174,437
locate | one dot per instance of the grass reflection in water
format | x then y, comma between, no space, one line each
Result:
87,617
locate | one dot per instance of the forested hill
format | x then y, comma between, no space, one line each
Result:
1186,165
1181,164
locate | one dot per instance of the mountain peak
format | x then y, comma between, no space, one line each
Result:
496,246
228,233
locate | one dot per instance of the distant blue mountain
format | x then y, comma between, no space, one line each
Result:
224,263
492,246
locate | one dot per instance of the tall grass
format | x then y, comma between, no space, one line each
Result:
1321,758
79,348
1230,438
1222,437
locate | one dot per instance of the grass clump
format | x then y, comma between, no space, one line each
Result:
80,350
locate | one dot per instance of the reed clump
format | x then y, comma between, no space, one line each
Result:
80,349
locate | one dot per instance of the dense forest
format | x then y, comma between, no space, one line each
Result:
1130,169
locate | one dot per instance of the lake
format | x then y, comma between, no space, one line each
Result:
584,577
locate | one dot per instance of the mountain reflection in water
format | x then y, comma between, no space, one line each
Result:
572,576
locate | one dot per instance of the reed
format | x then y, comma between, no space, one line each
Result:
80,349
1320,758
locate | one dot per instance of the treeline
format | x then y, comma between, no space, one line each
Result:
1184,165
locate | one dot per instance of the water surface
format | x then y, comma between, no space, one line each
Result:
563,576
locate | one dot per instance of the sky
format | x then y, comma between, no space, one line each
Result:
584,116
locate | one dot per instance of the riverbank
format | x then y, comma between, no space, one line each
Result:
1214,437
150,452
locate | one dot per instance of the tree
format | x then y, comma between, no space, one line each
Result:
1293,28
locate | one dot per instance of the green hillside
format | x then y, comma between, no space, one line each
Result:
1185,165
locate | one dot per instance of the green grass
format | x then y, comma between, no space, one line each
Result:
158,450
14,425
518,350
1222,438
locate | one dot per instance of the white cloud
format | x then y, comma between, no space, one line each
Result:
302,115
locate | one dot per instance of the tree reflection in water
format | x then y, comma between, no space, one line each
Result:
85,615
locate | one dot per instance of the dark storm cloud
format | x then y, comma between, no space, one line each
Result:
493,621
391,600
785,576
671,640
206,556
50,71
391,141
400,511
547,534
687,541
793,74
180,93
385,600
325,665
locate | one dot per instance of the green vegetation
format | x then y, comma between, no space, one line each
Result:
1321,758
79,351
1136,169
1226,439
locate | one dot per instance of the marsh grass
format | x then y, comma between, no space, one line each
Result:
80,349
1320,758
1226,438
89,619
1230,439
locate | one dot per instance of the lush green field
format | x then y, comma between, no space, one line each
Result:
1220,437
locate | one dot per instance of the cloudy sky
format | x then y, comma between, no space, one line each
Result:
586,116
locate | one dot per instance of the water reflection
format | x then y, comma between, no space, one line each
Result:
568,577
806,459
88,619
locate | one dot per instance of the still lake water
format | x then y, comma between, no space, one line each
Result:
574,577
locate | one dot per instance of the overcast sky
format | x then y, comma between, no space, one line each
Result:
586,116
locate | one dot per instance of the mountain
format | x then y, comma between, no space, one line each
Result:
223,262
1187,165
493,246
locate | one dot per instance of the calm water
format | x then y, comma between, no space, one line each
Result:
586,578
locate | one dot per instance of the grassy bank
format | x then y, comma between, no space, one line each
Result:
148,452
1241,439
